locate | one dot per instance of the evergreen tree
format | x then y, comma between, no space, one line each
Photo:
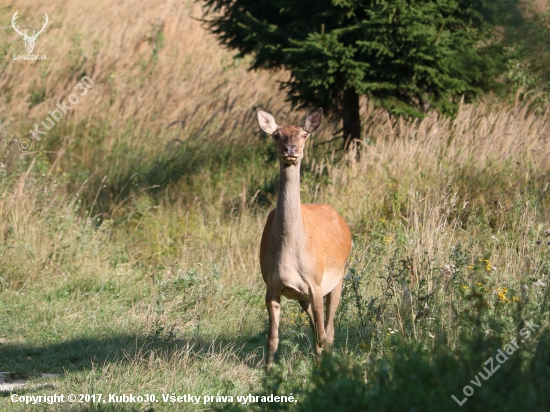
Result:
409,55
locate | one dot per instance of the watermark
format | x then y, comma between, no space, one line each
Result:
30,41
55,116
149,398
501,357
30,57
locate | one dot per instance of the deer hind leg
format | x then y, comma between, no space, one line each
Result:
273,305
333,299
306,306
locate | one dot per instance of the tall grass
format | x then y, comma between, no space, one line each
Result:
129,234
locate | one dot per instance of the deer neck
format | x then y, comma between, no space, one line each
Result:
287,225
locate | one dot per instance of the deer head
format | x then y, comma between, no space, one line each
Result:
290,140
30,40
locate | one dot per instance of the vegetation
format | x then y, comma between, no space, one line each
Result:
130,231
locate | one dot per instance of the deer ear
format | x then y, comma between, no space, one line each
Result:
313,120
266,120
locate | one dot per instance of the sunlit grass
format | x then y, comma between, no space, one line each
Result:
129,243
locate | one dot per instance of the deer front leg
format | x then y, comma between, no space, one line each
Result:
306,306
273,305
316,299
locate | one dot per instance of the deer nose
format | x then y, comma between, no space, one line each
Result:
290,150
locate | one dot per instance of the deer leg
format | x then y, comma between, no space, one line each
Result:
307,308
273,305
316,299
333,299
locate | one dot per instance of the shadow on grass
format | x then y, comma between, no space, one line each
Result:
182,164
31,361
83,353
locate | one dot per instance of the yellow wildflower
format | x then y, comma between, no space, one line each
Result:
502,297
488,266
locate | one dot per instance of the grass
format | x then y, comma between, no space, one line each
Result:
130,233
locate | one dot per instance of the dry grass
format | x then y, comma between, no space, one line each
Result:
153,65
165,283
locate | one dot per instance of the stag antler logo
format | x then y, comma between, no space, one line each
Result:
30,40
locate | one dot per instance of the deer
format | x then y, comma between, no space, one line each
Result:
30,40
304,247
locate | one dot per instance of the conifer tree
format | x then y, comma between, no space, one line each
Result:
408,55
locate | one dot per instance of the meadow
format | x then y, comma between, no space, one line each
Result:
129,234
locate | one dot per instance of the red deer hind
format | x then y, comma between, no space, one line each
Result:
304,247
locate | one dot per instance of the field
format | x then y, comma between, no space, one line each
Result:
129,234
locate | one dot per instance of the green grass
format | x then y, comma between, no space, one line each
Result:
129,235
112,335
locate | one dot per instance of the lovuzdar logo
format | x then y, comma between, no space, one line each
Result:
30,41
